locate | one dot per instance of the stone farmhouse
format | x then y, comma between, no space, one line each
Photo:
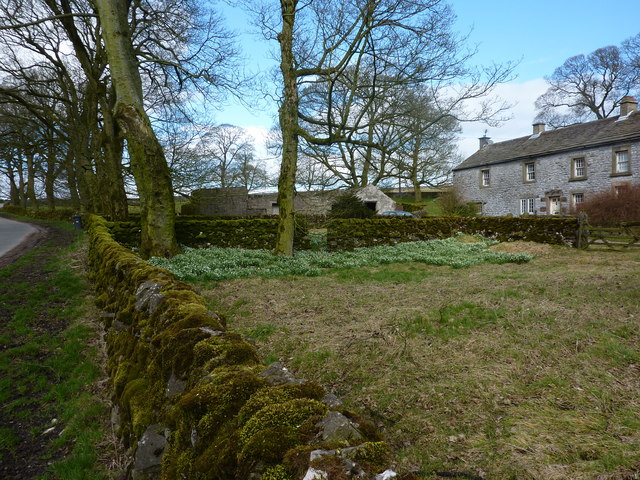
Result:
238,201
551,172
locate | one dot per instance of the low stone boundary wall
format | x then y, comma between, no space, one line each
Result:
347,234
251,233
193,400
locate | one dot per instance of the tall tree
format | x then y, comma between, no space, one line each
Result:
225,149
631,52
179,45
364,44
148,162
587,87
427,147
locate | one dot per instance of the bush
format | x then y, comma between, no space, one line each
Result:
613,207
452,204
411,206
348,205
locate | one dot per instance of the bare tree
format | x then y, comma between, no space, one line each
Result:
180,139
631,54
427,148
159,47
224,148
589,87
361,44
148,162
251,172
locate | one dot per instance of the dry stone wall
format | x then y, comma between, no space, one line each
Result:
193,400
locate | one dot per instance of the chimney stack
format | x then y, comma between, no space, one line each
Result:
628,105
484,141
538,128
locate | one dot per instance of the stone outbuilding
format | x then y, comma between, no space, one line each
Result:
239,202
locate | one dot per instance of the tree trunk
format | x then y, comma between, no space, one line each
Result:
112,148
289,126
14,191
417,192
31,182
84,176
148,162
71,181
49,180
368,158
415,162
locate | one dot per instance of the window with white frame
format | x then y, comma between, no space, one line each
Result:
527,206
621,163
485,179
578,168
577,199
530,172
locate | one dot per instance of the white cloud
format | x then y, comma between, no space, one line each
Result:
523,96
260,136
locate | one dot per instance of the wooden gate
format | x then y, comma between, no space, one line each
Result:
625,235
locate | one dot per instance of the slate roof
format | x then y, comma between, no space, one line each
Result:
572,138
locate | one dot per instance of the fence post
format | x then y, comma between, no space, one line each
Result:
583,230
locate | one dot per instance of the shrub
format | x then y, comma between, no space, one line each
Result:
411,206
452,204
612,207
348,205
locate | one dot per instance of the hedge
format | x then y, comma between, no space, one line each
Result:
347,234
411,206
193,400
251,233
42,213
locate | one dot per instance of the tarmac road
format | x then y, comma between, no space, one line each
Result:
13,233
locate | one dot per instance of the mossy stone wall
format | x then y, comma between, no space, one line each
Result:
232,232
193,400
347,234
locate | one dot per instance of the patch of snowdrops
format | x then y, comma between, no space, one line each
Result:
228,263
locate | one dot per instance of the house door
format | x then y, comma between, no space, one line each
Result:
275,209
554,205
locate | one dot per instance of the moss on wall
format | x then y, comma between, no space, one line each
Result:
252,233
347,234
173,363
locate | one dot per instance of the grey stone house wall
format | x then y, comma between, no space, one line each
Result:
553,179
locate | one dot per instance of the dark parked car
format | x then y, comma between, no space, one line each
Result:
397,213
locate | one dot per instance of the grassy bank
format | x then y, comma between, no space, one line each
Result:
508,371
52,410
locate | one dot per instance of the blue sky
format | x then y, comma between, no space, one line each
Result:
545,33
540,34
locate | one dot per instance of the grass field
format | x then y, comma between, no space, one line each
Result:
509,371
53,411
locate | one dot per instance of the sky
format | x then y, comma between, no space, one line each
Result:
539,34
